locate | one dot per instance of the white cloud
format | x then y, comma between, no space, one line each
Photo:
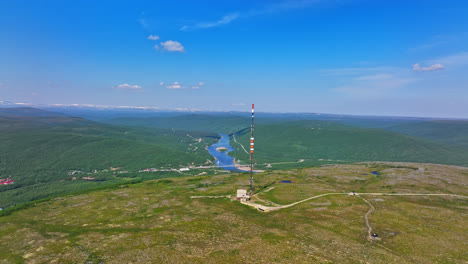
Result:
178,86
238,104
226,19
161,83
126,86
175,85
269,8
107,106
172,46
449,61
222,21
156,47
153,37
201,83
433,67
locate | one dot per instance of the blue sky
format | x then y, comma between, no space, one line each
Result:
375,57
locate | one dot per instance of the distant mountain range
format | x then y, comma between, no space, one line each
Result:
108,111
27,111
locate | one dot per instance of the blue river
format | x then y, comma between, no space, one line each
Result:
223,160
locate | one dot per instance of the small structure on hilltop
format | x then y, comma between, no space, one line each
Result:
242,195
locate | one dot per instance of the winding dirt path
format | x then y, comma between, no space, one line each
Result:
264,208
217,196
414,194
372,240
366,218
235,140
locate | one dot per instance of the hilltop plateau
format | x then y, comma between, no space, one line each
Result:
158,221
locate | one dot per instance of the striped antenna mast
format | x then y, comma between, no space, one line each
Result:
251,150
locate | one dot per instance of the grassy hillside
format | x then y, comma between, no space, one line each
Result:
319,141
444,131
39,151
78,126
218,124
158,221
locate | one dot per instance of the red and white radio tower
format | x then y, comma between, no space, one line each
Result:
251,150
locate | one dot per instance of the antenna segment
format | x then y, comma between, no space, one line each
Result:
251,150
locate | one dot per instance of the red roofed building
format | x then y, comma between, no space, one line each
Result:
6,181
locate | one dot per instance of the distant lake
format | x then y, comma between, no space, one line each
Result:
223,160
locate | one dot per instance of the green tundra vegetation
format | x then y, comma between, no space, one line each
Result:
452,132
39,148
157,221
319,142
78,195
39,153
197,122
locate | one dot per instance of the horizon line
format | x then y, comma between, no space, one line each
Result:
5,104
